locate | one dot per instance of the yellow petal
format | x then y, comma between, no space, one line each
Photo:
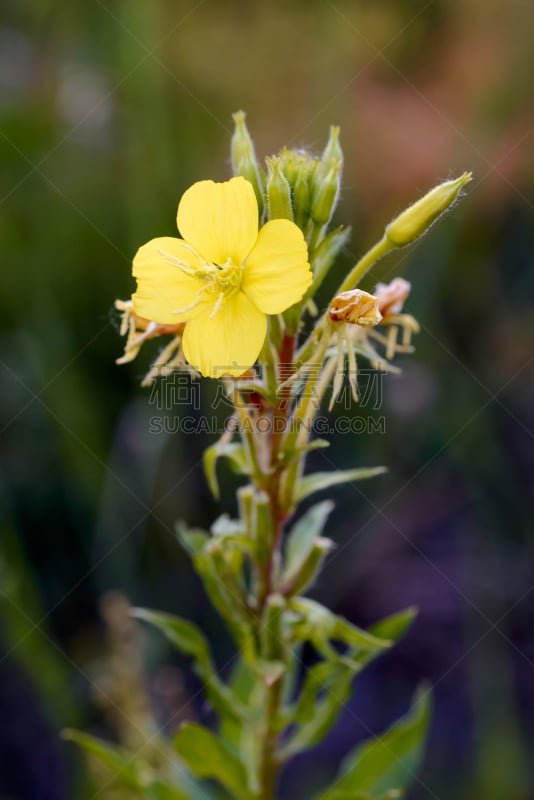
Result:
163,287
277,272
227,343
220,220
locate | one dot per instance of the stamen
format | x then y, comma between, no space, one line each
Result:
340,370
177,262
218,305
353,366
194,304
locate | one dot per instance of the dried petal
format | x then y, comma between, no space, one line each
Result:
391,296
357,307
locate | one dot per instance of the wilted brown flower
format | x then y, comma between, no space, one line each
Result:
357,307
139,330
391,296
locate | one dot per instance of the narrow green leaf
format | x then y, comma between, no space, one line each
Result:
318,481
390,762
395,626
391,628
319,625
315,444
208,757
303,535
158,790
188,639
226,597
234,452
324,257
236,733
258,388
121,764
319,678
184,635
333,684
299,581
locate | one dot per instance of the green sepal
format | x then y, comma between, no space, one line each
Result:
318,481
234,452
208,757
121,763
389,762
190,641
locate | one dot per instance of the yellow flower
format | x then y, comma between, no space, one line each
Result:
223,277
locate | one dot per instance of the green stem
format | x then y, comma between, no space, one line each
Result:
377,251
269,763
247,432
268,733
316,237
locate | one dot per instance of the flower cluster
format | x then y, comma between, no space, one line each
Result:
240,286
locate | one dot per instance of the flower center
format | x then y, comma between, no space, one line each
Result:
220,280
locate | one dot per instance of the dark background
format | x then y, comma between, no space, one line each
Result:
109,109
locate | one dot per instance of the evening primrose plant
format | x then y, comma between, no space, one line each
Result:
233,299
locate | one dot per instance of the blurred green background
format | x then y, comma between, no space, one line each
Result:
109,109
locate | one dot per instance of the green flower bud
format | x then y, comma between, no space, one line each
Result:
307,572
326,196
245,501
243,157
417,219
332,154
263,525
272,635
301,200
288,164
278,191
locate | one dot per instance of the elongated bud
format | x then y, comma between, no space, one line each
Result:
278,192
326,196
272,635
391,296
357,307
301,580
263,525
415,220
245,501
301,199
243,156
332,154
